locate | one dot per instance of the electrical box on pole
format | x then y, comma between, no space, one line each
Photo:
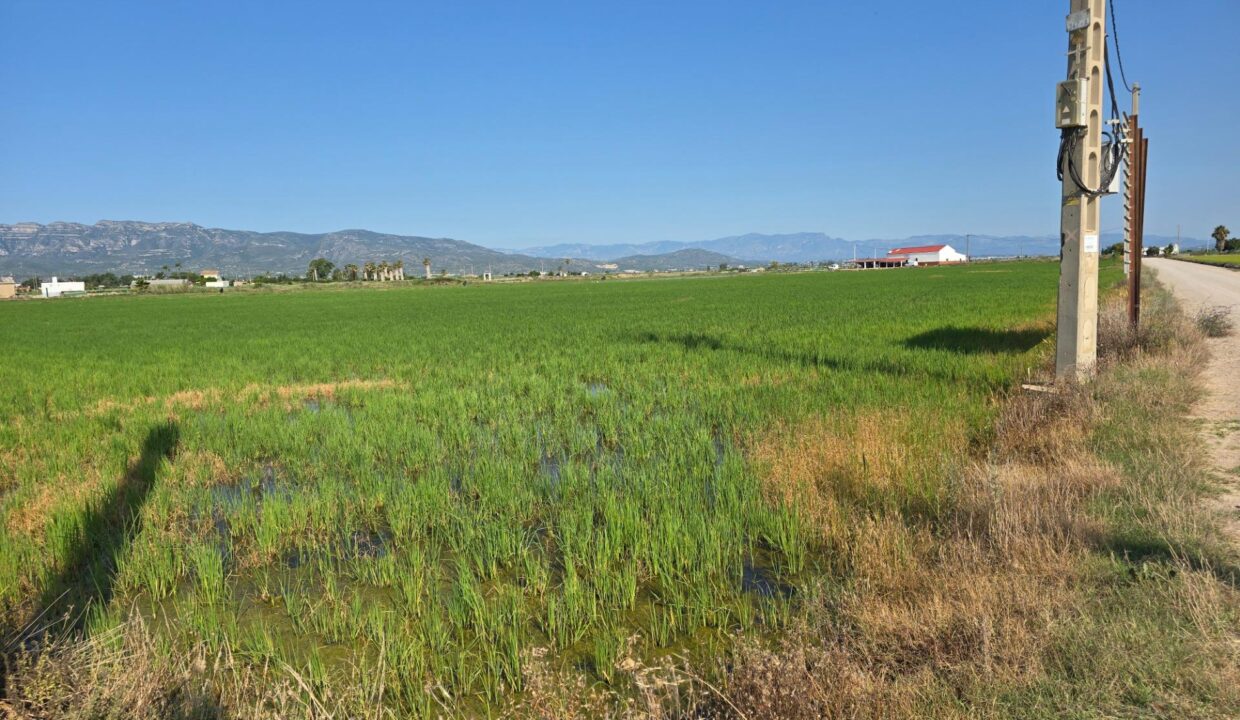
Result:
1079,116
1071,104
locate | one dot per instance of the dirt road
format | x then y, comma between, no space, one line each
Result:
1197,286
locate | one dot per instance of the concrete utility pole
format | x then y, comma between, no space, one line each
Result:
1079,110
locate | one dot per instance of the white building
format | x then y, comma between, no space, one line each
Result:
56,288
928,255
169,284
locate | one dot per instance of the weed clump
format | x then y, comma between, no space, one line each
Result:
1215,322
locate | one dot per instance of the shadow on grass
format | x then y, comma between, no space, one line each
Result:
86,578
896,367
975,340
1139,548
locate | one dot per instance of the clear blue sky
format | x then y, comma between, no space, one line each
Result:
520,123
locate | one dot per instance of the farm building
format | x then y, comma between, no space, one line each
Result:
8,288
170,284
56,288
930,254
889,261
913,256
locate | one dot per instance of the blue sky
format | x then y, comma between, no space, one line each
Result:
521,123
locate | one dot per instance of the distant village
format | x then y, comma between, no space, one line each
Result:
321,270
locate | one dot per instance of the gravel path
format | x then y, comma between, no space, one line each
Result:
1201,286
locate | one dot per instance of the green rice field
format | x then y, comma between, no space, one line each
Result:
414,488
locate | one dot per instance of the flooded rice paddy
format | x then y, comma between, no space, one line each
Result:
419,488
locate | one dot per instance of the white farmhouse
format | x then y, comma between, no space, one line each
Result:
56,288
928,255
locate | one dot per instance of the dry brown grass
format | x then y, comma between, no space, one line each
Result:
830,468
258,394
926,611
1162,328
122,675
57,492
127,673
923,619
1039,427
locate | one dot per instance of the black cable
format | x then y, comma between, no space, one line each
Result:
1109,164
1106,62
1119,58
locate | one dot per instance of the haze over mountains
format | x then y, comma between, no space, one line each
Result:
814,247
124,247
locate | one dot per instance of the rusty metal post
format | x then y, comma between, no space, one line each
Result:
1132,222
1144,152
1134,207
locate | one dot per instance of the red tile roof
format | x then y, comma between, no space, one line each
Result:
919,249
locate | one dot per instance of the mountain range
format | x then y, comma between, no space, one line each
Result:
815,247
129,247
132,247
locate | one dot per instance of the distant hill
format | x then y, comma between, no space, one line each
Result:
815,247
687,259
123,247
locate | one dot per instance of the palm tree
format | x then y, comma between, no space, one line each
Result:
350,271
400,269
426,265
369,271
383,271
1220,235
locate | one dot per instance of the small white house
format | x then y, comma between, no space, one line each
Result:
928,255
56,288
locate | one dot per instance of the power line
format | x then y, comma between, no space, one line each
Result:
1119,58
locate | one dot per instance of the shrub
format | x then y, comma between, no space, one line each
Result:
1215,321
